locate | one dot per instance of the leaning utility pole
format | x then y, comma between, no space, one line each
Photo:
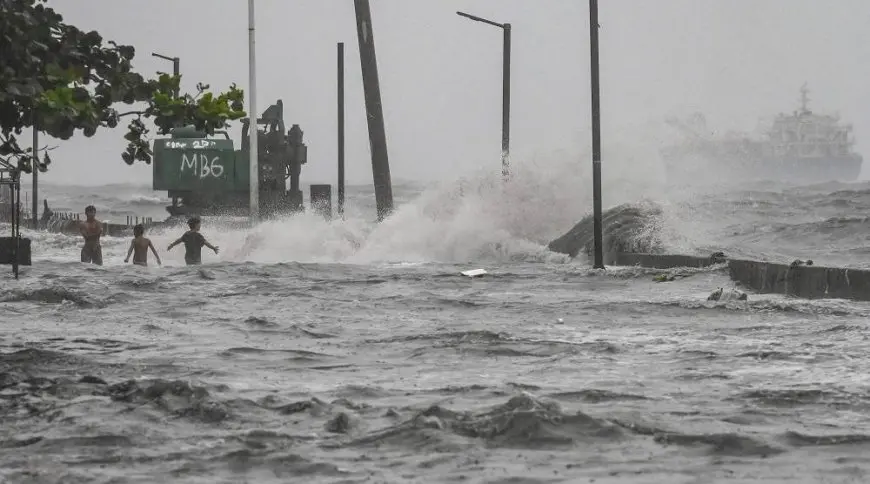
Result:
374,110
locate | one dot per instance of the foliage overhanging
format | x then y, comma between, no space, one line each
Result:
64,80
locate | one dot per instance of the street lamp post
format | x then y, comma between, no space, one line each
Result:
176,65
340,95
506,91
596,136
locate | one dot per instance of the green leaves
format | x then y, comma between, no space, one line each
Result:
66,80
204,111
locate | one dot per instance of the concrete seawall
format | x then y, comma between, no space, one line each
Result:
661,261
804,281
809,282
71,227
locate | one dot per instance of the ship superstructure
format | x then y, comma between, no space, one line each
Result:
801,147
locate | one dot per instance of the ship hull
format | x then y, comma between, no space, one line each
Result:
846,168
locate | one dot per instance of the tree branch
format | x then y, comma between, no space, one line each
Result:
130,113
68,80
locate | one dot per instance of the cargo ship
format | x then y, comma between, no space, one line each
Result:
802,148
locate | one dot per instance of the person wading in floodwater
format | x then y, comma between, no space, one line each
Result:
139,247
193,242
91,229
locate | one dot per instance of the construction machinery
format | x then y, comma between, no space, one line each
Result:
206,175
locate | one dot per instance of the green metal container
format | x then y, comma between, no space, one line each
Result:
188,161
207,175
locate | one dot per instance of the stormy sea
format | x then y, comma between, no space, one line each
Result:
347,351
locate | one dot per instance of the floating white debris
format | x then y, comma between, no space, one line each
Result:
474,273
729,295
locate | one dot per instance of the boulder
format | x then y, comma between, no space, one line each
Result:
626,228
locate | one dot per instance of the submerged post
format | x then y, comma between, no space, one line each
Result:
341,129
253,132
596,136
16,224
35,167
374,110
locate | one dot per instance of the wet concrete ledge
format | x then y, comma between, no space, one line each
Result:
661,261
809,282
804,281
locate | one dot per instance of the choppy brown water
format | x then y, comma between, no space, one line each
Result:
396,373
370,362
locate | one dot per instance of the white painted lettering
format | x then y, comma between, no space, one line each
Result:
204,168
201,166
188,163
217,170
203,143
199,144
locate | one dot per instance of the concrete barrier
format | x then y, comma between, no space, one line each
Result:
809,282
68,224
71,227
804,281
662,261
321,200
7,249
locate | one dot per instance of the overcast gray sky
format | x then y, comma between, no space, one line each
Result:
735,60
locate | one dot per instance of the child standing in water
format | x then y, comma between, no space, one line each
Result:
91,229
139,247
193,243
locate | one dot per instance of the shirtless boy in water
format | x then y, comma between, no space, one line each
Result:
139,247
91,229
193,243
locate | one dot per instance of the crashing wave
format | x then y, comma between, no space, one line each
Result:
626,228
